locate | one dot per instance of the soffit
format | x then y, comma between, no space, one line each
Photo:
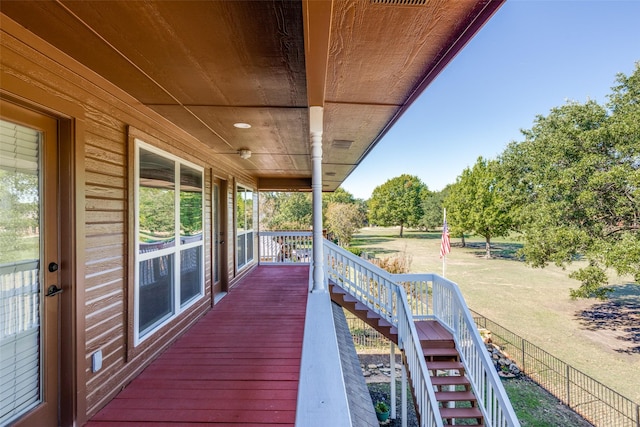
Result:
205,65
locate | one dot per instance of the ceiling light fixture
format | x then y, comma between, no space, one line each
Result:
241,125
244,153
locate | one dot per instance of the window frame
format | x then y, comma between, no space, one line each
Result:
177,308
248,219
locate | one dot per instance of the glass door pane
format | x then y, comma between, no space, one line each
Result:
20,252
216,233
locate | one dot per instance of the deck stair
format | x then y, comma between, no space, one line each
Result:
371,318
453,391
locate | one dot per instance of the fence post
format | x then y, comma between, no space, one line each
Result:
523,369
568,387
637,415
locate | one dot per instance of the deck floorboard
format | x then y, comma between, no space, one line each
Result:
239,365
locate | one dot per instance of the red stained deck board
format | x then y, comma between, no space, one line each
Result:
239,365
246,393
177,424
432,330
199,403
156,385
199,416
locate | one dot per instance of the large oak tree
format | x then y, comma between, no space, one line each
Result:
398,202
476,203
575,186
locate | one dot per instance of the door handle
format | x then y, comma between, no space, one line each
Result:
53,290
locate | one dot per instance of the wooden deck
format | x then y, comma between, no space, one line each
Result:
238,366
432,330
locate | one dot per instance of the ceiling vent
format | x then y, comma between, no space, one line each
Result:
330,173
341,144
400,2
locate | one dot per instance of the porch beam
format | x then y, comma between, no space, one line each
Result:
284,184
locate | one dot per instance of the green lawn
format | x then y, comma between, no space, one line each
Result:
599,338
532,404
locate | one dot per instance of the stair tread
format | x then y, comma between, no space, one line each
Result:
348,298
460,413
361,307
455,396
450,380
444,365
338,290
440,351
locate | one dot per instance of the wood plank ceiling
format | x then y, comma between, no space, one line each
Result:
205,65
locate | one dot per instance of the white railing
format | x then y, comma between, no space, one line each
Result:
403,298
451,310
276,247
375,288
19,298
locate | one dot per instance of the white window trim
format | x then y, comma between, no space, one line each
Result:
246,231
175,250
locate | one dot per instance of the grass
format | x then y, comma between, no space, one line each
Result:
601,339
537,408
532,404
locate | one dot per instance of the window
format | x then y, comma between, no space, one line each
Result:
169,247
244,226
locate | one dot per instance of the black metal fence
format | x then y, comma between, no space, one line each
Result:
594,401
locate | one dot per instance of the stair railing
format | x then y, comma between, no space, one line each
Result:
450,308
403,298
375,288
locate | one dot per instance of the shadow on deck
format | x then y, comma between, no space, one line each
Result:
239,365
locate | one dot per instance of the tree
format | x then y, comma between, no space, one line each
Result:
344,219
574,183
398,202
477,203
19,204
294,211
432,207
457,222
285,211
340,195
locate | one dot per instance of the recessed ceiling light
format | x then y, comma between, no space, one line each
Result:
241,125
244,153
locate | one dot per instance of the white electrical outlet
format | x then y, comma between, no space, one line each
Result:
96,361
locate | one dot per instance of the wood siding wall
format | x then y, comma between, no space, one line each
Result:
104,118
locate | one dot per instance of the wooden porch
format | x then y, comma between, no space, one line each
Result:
239,365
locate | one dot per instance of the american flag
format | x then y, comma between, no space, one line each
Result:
445,244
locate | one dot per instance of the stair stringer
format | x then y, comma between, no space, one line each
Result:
362,312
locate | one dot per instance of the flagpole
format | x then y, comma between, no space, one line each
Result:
444,258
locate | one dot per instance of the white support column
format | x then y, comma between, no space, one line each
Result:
315,127
392,392
403,396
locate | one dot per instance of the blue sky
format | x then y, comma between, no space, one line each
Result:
533,55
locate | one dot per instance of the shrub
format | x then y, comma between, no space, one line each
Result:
355,251
398,264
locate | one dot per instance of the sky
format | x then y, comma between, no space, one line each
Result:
532,56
